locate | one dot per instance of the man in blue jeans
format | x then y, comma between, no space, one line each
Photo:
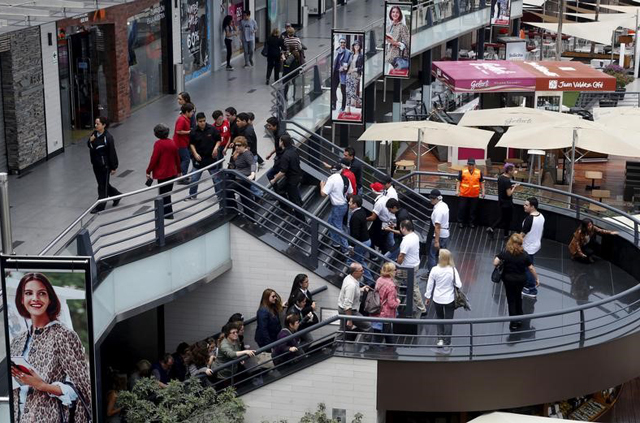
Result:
440,222
337,187
358,229
248,30
181,138
532,229
203,143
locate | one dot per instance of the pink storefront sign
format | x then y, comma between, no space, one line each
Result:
484,76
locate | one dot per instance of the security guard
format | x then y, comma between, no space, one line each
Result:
468,186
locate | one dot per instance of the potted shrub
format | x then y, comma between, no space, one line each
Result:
622,78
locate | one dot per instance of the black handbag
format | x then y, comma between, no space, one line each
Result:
496,275
460,298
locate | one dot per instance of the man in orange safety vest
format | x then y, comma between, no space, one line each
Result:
468,188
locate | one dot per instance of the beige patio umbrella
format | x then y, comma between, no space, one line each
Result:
618,117
583,134
499,417
512,116
434,133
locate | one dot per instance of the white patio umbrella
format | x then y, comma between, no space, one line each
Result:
583,134
618,117
499,417
512,116
434,133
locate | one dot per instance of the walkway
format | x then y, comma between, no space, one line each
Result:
48,198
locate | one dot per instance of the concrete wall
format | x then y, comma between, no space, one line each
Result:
340,383
23,99
256,266
51,80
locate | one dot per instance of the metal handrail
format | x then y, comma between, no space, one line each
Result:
579,198
118,197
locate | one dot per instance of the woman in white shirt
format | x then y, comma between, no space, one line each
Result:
440,288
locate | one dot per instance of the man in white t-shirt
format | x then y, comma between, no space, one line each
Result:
381,218
389,190
532,229
440,222
337,187
409,256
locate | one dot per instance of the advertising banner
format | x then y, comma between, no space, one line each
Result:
397,40
347,76
196,38
49,338
500,12
516,51
484,76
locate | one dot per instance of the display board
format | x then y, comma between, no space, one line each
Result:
500,12
196,37
347,76
49,338
397,40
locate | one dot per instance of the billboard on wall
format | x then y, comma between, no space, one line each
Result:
196,38
500,12
397,40
347,76
49,338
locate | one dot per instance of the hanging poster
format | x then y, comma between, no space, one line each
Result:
49,338
196,38
347,76
500,12
397,40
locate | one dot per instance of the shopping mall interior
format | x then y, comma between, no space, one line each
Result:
166,285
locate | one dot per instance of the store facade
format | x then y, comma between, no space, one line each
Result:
112,62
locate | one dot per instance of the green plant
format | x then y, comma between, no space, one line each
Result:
622,78
180,402
320,416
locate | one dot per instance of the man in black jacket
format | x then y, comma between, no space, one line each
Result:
245,129
204,141
289,169
358,229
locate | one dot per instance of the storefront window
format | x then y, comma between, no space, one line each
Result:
196,37
145,54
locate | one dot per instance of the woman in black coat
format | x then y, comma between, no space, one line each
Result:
102,150
275,45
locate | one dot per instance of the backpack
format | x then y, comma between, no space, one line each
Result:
346,183
289,61
372,304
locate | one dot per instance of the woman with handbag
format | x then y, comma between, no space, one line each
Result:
273,48
515,262
443,279
387,289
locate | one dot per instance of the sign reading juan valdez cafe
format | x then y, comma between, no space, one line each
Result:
502,75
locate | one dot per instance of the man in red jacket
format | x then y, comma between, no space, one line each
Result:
164,165
181,137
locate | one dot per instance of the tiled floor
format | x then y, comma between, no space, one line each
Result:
53,194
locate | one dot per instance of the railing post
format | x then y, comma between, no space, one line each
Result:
84,248
470,341
429,17
635,233
5,215
582,328
317,83
223,192
158,203
456,10
577,207
315,245
411,274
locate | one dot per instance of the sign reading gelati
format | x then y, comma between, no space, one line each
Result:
504,75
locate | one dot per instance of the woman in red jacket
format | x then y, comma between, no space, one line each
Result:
164,165
389,302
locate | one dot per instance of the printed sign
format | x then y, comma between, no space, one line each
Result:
49,338
500,12
196,38
347,76
397,40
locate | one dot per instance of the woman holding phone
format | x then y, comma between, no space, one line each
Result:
60,370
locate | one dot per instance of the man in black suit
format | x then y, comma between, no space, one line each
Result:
358,229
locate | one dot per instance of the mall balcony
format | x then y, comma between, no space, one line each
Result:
159,282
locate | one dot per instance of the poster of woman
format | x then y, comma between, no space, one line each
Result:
347,76
48,333
500,12
397,40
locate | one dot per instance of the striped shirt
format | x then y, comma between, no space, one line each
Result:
292,41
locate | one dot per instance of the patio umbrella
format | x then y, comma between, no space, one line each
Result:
434,133
618,117
499,417
512,116
583,134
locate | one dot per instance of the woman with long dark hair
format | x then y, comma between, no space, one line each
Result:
60,373
397,41
583,244
229,28
301,284
268,318
515,262
102,150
